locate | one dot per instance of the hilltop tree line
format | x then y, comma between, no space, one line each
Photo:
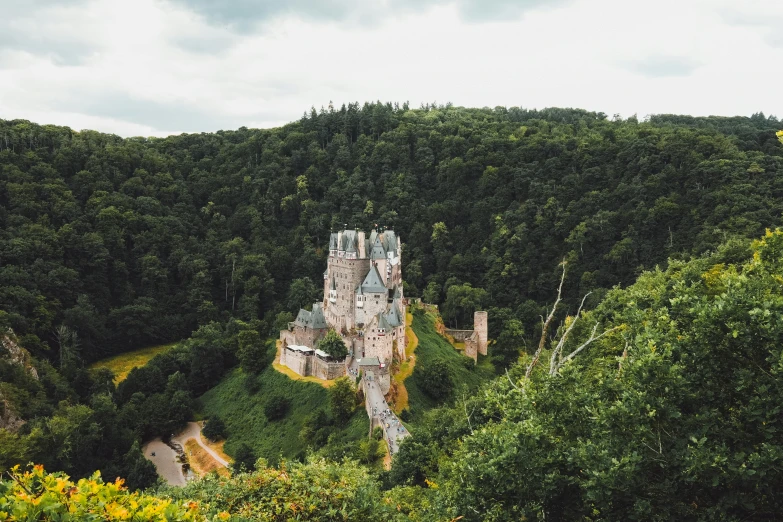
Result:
129,242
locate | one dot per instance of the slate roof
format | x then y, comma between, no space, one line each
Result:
333,241
394,317
378,251
390,241
319,321
314,319
373,283
369,361
349,241
383,323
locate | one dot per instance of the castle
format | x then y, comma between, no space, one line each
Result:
363,301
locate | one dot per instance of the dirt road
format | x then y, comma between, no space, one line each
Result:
193,431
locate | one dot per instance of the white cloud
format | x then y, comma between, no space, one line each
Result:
155,68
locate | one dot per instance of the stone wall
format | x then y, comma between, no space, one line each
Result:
304,336
459,335
327,370
298,362
348,274
287,337
372,305
471,346
379,346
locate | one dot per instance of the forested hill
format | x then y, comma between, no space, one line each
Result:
133,241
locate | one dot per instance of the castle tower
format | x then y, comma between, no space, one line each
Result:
480,327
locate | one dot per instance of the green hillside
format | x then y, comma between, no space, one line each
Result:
434,348
246,423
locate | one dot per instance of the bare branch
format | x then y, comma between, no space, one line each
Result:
559,348
468,415
592,338
546,324
510,381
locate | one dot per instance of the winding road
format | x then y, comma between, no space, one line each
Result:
193,431
165,458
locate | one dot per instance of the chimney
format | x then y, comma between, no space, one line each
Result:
339,240
362,253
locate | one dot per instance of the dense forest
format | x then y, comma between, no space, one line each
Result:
108,244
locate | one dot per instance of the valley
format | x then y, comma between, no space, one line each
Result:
626,366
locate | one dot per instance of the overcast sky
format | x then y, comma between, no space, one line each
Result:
154,67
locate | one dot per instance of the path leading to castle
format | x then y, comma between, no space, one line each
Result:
393,431
193,431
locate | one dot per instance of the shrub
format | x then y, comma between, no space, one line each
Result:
214,429
276,407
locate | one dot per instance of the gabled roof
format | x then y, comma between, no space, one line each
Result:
377,249
394,317
383,323
319,321
314,319
349,241
333,241
373,283
303,318
389,241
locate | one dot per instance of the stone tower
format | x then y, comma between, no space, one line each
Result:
480,327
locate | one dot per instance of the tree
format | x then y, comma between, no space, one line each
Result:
244,458
276,407
334,345
342,399
431,294
434,379
140,473
252,352
302,294
509,343
214,429
461,301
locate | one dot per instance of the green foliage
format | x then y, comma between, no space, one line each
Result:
35,495
509,343
306,426
435,380
252,352
434,351
214,429
342,398
244,458
673,416
134,242
317,490
461,301
334,345
276,407
302,294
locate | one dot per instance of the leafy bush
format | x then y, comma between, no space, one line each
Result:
214,429
434,379
35,495
276,407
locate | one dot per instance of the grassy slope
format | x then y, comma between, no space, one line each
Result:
122,364
246,423
432,346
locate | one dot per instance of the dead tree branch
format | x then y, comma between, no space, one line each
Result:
545,326
584,345
556,353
